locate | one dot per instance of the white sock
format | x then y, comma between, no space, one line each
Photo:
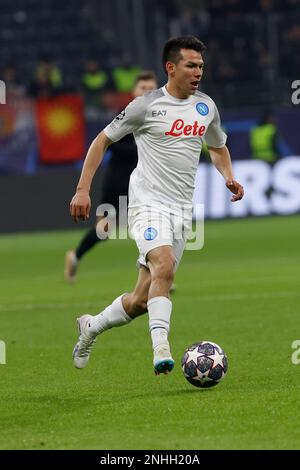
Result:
159,310
113,315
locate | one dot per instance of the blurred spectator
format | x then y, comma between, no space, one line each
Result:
264,139
14,88
41,86
47,81
124,76
54,74
94,82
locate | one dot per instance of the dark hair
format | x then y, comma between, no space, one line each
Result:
146,75
172,48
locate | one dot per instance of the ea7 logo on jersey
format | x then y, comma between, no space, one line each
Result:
178,128
159,113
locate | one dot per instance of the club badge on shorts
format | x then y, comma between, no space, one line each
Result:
150,233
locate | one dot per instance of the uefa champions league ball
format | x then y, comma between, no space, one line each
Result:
204,364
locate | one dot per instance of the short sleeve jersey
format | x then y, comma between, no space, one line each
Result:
169,133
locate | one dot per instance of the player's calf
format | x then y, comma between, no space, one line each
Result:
134,304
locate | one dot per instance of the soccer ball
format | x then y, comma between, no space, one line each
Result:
204,364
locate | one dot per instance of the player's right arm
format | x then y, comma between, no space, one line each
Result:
126,122
81,203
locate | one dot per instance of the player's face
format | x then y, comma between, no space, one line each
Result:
187,73
143,86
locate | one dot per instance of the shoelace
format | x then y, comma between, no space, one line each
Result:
86,346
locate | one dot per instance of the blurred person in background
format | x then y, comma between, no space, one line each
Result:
52,70
14,88
169,125
125,75
120,166
94,83
47,81
264,139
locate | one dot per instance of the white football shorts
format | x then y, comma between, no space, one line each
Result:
156,226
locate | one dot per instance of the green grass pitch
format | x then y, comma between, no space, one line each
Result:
241,291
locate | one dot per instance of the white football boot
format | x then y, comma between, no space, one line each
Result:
82,350
162,359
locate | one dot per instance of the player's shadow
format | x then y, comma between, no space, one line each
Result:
171,393
50,400
66,404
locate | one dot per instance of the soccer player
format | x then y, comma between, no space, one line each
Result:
120,167
169,125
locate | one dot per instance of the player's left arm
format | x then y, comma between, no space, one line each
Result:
220,157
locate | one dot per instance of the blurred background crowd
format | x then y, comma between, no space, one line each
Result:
49,47
95,49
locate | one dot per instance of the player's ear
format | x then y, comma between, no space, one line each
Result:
170,67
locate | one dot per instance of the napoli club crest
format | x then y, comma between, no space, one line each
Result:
150,233
202,109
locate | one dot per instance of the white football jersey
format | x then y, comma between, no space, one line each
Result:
169,133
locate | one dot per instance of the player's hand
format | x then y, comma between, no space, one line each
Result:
80,205
236,188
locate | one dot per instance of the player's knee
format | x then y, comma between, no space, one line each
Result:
165,268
